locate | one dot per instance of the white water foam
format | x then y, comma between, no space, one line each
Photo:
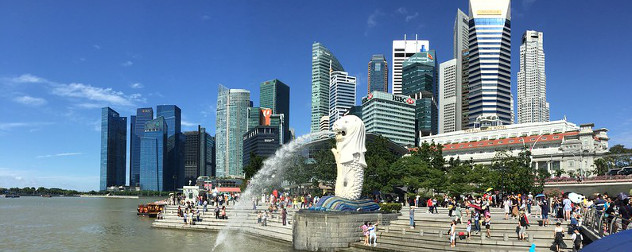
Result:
270,174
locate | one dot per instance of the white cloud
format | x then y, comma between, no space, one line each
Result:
206,17
107,95
60,155
189,124
98,47
137,85
128,63
402,10
372,19
13,125
411,17
29,100
28,78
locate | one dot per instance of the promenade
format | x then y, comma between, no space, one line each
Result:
430,233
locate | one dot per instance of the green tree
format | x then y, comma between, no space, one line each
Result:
515,173
601,167
379,159
459,178
324,166
254,165
541,177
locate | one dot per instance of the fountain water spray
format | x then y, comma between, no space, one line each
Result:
270,174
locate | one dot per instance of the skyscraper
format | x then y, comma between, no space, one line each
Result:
275,95
254,117
461,50
323,62
262,141
378,74
419,81
155,173
532,104
175,141
197,160
450,95
231,124
391,116
342,95
402,49
137,128
113,148
490,60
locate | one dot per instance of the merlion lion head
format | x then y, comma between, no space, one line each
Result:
350,137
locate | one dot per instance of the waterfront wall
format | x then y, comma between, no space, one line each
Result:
591,188
327,231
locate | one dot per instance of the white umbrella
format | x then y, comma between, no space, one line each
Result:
575,197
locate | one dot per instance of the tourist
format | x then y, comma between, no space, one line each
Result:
567,208
222,214
205,206
626,213
558,236
487,223
284,215
457,213
507,204
264,221
179,211
468,229
522,226
259,217
411,217
453,234
365,232
373,234
429,204
545,212
577,240
477,224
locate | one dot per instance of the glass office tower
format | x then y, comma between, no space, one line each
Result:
490,60
155,174
378,74
175,141
113,149
137,128
419,81
323,63
275,95
231,125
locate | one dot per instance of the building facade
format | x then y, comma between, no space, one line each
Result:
155,173
420,82
175,141
378,74
342,95
532,104
490,60
262,141
460,53
450,95
231,125
198,154
554,145
113,149
402,49
137,128
275,95
324,123
254,117
391,116
356,111
323,62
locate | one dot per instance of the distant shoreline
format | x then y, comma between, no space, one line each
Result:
109,196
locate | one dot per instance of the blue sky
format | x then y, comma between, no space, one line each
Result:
60,61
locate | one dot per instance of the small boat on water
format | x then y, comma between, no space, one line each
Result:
151,209
46,195
12,196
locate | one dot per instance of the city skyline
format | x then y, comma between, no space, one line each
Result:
62,86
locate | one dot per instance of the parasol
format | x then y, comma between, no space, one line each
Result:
575,197
489,189
618,242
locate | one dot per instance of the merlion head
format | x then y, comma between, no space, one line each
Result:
350,137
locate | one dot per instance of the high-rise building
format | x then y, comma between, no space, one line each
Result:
231,124
461,50
391,116
113,149
356,111
275,95
323,62
490,60
532,104
197,161
450,95
402,49
262,141
254,117
155,173
378,74
465,91
342,95
323,123
137,128
175,140
419,81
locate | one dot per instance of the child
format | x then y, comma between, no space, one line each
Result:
372,234
365,232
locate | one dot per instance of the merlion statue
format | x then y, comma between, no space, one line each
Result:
349,155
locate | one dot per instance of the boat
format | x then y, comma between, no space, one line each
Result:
46,195
150,209
12,196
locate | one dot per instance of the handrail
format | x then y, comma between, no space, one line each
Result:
594,220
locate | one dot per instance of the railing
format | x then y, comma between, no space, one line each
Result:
595,222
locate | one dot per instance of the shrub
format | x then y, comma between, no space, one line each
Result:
391,207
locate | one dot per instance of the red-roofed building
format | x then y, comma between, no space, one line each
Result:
554,145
